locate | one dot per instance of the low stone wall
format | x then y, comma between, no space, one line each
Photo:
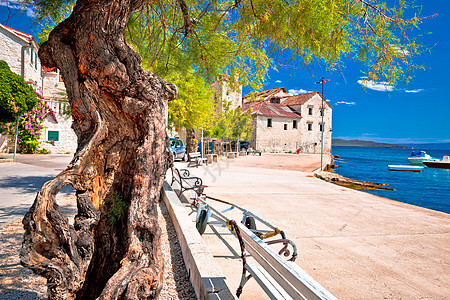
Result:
204,273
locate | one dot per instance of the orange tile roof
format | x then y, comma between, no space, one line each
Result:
301,99
18,33
267,94
272,110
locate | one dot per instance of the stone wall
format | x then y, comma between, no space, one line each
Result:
311,139
275,138
49,86
308,140
225,92
52,85
67,139
11,52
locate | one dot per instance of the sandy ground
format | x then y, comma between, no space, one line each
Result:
17,282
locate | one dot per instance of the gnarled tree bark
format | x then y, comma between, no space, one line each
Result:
118,114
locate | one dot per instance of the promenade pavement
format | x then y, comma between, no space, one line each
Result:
356,245
21,180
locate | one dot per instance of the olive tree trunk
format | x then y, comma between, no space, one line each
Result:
113,249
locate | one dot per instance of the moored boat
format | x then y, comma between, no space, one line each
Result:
441,164
405,168
418,157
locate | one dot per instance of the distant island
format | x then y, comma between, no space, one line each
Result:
367,144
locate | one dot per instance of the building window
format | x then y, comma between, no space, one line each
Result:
285,126
309,126
321,112
310,111
321,127
53,136
294,124
269,122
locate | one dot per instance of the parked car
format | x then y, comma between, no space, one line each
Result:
178,149
243,146
209,147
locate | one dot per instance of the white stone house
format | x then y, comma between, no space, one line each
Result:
20,50
286,123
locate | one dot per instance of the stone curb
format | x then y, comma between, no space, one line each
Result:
204,273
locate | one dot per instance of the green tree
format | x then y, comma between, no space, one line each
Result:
193,107
16,97
119,111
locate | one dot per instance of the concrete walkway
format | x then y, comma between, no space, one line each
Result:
21,180
358,246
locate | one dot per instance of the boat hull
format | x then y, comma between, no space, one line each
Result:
418,161
405,168
437,164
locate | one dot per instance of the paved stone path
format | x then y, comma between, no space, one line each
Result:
356,245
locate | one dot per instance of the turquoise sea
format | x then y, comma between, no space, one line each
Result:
429,188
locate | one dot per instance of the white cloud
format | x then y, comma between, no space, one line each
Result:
346,103
278,81
414,91
18,5
294,92
376,86
401,51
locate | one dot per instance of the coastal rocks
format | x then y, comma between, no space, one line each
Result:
350,183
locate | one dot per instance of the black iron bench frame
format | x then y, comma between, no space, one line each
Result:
186,181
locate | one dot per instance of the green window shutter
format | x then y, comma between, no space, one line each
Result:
53,136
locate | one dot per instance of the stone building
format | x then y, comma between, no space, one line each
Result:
284,123
20,50
225,92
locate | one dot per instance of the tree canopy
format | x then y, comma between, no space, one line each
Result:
16,96
245,37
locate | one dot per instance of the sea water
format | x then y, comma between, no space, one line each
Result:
429,188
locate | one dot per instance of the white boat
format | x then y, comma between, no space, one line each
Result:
418,157
441,164
405,168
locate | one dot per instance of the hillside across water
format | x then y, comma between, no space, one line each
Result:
367,144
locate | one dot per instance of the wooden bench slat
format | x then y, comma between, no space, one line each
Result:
305,286
258,256
268,283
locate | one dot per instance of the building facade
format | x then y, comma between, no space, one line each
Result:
20,51
286,123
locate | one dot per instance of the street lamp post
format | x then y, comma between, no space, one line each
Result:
322,81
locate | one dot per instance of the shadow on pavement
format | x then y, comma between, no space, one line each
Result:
30,184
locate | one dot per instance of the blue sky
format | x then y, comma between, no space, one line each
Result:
416,113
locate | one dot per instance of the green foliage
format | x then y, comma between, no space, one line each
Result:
193,107
30,127
50,13
239,38
16,97
231,124
117,207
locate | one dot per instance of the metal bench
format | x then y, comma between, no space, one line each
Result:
196,159
280,279
254,152
186,181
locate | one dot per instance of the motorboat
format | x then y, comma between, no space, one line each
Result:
405,168
418,157
441,164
